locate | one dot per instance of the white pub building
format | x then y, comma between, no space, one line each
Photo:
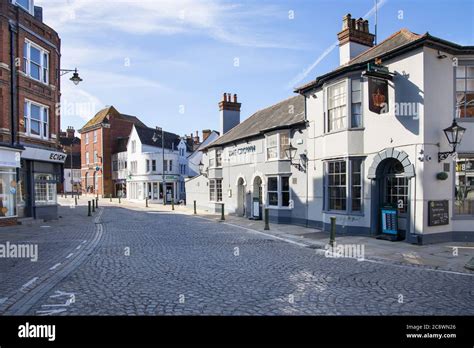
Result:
386,147
152,172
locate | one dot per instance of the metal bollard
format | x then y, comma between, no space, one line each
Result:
119,200
75,200
195,212
97,202
332,236
110,196
172,204
267,219
222,212
93,205
89,208
146,201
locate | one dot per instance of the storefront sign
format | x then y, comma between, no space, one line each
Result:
43,155
465,166
389,221
378,95
243,150
438,213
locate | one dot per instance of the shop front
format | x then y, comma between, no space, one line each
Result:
154,188
39,175
9,164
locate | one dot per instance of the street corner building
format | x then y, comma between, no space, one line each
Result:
377,144
30,158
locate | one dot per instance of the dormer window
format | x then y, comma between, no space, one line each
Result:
27,5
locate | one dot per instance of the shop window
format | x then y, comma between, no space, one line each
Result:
8,190
278,190
36,119
45,189
36,62
465,91
464,189
285,191
337,110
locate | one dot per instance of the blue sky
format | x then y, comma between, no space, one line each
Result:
169,61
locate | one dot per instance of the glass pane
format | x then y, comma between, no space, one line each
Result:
285,183
35,112
272,140
285,196
356,97
272,184
355,85
34,71
35,55
460,71
460,85
469,105
470,85
470,71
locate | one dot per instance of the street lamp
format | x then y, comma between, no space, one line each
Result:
290,153
76,79
454,134
155,139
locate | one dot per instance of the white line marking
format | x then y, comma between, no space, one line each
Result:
3,300
51,312
84,242
459,247
78,247
29,283
55,266
67,257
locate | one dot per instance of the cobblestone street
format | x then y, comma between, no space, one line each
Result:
132,262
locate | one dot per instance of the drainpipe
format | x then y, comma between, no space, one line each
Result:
13,94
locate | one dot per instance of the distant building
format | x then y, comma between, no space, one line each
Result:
99,141
196,158
71,145
150,174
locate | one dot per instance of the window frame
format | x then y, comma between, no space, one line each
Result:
344,107
465,64
349,161
50,189
279,192
280,150
43,125
30,10
44,69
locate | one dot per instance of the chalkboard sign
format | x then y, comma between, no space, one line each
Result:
389,221
438,213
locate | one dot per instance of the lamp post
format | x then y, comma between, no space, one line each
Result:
155,139
454,134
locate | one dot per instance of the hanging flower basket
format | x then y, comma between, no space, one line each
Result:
442,176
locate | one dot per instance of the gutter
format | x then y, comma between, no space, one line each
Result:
13,91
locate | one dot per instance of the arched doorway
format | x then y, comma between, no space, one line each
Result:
391,173
257,199
241,207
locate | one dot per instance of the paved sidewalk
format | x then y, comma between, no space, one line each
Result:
440,256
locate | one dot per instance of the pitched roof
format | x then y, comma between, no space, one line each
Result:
396,44
66,141
102,114
146,135
286,113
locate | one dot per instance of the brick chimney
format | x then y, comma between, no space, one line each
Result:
206,133
70,132
229,112
354,38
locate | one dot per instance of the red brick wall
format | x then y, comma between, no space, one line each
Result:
48,95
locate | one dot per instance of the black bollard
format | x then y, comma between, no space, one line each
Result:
93,205
195,212
332,236
89,208
222,212
267,219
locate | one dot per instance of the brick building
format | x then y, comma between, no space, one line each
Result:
99,141
71,145
29,122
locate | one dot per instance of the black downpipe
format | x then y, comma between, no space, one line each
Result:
13,98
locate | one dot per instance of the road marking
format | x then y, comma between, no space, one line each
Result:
459,247
78,247
51,312
55,266
29,283
84,242
67,257
3,300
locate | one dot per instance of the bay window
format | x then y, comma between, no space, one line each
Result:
278,191
276,144
343,185
35,62
337,107
36,119
465,91
356,103
218,158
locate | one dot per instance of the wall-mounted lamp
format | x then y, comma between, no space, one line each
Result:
454,134
76,79
290,153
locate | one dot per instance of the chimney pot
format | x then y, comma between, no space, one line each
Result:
235,98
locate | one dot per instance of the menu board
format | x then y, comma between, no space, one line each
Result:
389,221
438,213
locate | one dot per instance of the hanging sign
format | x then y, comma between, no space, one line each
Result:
378,95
